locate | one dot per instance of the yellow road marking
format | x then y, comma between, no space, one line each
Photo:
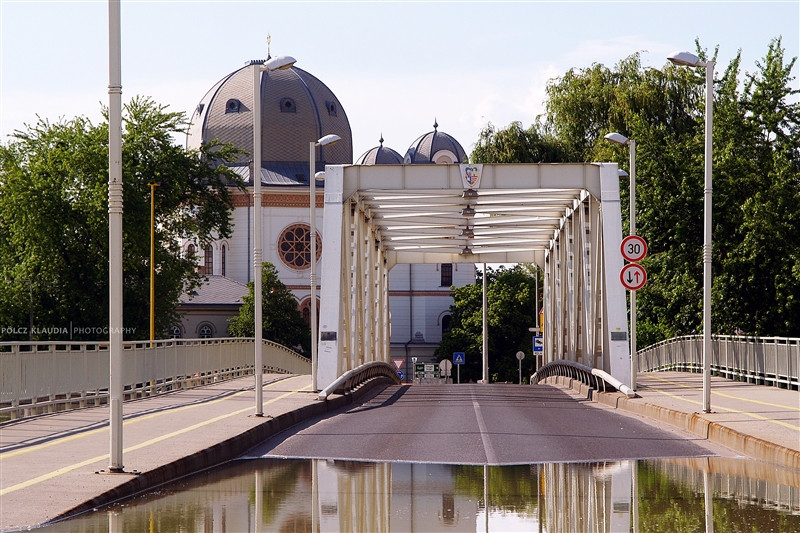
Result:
728,409
69,468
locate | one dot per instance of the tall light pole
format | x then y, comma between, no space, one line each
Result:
153,260
691,60
618,138
312,236
115,236
278,63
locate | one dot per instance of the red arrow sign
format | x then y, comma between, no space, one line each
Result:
633,248
633,276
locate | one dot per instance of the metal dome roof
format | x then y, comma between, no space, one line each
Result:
380,155
435,147
296,108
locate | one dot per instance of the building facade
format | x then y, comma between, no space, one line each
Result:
296,109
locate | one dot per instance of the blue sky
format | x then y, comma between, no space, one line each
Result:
395,66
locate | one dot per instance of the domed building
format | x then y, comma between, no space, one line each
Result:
296,109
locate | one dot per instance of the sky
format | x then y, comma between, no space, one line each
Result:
396,67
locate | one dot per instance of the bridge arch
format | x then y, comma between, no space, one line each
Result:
565,218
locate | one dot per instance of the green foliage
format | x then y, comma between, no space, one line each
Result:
54,221
511,306
756,182
282,321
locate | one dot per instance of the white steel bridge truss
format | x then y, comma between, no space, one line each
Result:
565,218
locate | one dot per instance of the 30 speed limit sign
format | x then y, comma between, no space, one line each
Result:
633,248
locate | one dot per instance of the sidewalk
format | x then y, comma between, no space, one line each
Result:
57,464
758,421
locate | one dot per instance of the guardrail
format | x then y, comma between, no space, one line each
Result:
764,360
38,378
358,376
593,377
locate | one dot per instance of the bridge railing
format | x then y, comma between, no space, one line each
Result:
360,375
37,378
764,360
592,377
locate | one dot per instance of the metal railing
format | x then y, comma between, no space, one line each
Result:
592,377
360,375
764,360
38,378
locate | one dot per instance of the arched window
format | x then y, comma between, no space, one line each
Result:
208,259
175,332
205,331
446,319
190,251
222,256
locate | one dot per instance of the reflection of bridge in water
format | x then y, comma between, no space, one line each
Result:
319,495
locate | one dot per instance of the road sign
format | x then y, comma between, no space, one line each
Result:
538,343
398,363
445,365
633,276
520,355
458,358
633,248
400,373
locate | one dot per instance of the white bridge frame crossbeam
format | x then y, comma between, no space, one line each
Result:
565,218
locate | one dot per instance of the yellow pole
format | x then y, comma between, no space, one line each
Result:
152,260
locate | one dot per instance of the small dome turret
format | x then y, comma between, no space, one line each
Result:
435,147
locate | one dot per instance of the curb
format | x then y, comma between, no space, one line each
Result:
222,452
693,422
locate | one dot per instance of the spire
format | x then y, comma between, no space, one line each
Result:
435,124
381,140
269,42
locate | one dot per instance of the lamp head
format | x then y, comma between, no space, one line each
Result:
328,139
622,173
279,63
616,138
686,59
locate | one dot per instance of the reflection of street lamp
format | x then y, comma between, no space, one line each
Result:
690,60
278,63
621,139
30,308
153,259
312,236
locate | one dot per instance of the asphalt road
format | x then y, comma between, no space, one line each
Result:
480,424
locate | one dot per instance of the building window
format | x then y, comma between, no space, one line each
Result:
446,324
232,106
208,257
175,332
288,105
446,272
205,331
294,247
190,251
222,257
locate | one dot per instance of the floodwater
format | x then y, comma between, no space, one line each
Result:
311,495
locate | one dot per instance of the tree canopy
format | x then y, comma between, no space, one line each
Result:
756,182
54,222
282,321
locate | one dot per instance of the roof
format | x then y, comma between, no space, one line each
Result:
217,290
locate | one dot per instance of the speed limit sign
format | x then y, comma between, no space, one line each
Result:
633,248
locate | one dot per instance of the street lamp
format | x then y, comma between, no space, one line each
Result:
312,236
278,63
153,259
690,60
618,138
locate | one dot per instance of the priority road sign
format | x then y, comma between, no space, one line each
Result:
458,358
633,276
633,248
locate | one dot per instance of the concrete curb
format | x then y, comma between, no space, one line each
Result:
695,423
224,451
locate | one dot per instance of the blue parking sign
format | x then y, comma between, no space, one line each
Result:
458,358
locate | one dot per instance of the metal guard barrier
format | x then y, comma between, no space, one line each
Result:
593,377
358,376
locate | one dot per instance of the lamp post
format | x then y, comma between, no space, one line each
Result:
618,138
278,63
153,259
690,60
312,236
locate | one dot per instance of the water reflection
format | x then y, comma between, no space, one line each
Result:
316,496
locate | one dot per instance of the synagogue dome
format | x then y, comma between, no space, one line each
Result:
435,147
296,108
380,155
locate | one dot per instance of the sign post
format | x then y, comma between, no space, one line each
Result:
633,275
445,365
520,357
458,360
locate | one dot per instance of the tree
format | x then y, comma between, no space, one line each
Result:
756,211
510,294
54,221
281,320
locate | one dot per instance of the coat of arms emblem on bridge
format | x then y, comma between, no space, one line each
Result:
471,175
